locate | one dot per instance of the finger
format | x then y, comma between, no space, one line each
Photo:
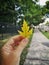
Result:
11,41
24,42
18,38
9,46
21,46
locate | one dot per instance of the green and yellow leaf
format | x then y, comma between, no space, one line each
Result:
25,30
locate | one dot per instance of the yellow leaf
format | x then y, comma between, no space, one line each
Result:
30,31
25,30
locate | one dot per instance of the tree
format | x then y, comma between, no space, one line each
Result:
28,8
47,4
45,9
7,10
31,11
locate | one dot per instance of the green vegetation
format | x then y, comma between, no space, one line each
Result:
2,42
25,51
46,34
47,23
45,9
5,38
11,10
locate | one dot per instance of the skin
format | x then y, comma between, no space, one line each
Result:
11,53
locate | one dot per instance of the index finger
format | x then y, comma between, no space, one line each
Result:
9,46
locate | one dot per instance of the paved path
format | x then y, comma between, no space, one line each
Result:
38,53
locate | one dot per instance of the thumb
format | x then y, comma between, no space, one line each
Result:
21,46
24,42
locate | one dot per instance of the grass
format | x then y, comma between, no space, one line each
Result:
25,51
46,34
6,36
2,42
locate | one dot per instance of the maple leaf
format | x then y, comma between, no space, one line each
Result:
26,32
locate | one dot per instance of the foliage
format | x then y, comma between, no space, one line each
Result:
47,4
26,32
45,9
11,10
47,23
46,34
7,10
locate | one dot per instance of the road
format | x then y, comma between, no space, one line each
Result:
38,53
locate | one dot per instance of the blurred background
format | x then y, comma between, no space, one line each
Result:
13,12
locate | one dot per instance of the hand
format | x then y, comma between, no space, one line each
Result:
12,50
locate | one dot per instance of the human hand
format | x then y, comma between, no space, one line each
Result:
11,51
